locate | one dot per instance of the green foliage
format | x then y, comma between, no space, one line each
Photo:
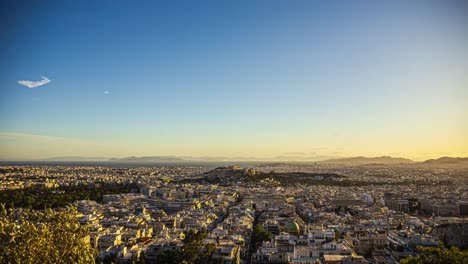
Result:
339,235
110,259
43,237
259,234
329,179
193,245
170,257
141,259
210,247
41,197
191,251
438,255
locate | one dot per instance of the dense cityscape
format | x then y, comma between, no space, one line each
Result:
234,132
270,213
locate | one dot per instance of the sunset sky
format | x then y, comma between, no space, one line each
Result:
233,78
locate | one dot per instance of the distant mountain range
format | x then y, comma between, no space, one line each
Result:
76,158
443,162
364,161
351,161
148,159
447,161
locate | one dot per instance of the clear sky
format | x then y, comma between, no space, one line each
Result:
233,78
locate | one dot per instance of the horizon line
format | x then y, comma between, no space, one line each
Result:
185,158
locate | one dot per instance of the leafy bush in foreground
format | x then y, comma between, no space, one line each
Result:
49,236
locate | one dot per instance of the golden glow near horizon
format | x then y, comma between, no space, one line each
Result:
23,146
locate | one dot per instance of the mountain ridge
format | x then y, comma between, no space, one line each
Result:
446,159
349,161
360,160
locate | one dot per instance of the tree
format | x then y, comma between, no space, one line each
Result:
141,259
110,259
438,255
259,234
170,257
191,251
193,245
49,236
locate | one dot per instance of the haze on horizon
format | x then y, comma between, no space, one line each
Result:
233,78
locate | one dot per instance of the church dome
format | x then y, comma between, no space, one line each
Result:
292,227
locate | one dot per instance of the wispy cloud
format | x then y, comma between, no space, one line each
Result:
106,92
44,139
34,84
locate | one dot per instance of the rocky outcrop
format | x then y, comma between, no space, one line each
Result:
231,172
452,234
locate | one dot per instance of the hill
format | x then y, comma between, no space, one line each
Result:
148,159
447,162
356,161
235,173
76,158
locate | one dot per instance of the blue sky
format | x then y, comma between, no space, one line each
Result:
233,78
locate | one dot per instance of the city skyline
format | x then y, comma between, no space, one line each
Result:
243,79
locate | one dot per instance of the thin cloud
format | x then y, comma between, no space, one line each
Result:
44,139
106,92
34,84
